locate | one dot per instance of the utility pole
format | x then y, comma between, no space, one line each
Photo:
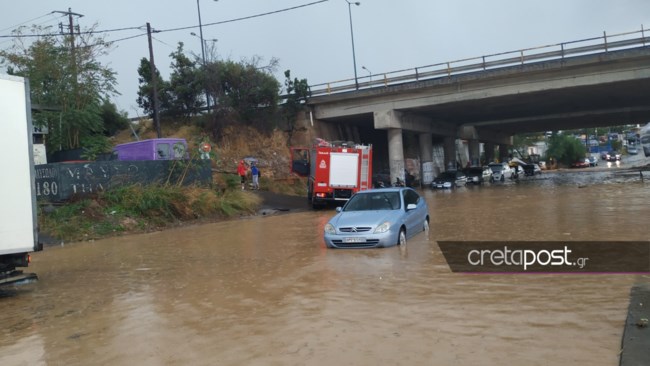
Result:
71,27
207,95
154,83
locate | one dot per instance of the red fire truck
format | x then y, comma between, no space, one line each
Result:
336,170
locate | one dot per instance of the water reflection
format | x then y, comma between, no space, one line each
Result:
267,291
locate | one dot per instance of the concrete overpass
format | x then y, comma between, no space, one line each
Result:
597,82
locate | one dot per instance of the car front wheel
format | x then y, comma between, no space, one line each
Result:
402,237
425,226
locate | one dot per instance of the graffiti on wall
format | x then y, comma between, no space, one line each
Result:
61,181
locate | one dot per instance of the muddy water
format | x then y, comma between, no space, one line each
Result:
265,291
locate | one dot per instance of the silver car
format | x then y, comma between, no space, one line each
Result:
378,218
500,172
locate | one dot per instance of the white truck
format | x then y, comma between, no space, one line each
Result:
18,223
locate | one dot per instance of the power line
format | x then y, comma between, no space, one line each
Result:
58,34
167,30
27,21
246,18
162,42
125,38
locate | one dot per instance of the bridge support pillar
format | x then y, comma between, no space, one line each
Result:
449,145
426,153
396,154
503,153
474,152
488,148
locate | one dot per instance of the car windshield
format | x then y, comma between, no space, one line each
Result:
496,168
447,176
373,201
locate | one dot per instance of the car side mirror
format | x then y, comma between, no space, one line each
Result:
411,206
339,209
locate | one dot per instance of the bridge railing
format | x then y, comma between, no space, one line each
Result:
525,56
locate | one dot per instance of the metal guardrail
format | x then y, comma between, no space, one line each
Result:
525,56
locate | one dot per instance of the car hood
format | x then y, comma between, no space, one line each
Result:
364,218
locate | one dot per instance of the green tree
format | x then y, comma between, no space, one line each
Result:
244,88
297,94
114,121
521,142
145,89
67,81
185,85
565,149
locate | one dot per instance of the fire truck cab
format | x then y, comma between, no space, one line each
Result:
337,170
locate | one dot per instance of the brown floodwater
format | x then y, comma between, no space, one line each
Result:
266,291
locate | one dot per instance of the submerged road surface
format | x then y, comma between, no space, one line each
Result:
266,291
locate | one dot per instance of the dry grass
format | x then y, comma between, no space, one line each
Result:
237,142
139,208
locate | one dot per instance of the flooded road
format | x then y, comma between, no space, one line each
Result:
266,291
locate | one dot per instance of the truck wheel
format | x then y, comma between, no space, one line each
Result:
401,239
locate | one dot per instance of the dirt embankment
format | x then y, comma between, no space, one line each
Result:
269,149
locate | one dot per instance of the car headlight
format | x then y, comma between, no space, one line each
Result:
329,229
382,228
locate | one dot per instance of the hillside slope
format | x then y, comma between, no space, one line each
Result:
236,143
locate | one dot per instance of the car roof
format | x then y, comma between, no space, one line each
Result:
386,189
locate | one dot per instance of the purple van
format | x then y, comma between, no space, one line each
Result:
153,149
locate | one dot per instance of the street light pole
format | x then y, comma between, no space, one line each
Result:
205,42
369,72
354,58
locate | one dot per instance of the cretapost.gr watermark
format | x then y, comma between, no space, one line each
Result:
524,258
547,256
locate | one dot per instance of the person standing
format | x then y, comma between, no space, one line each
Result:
255,173
241,171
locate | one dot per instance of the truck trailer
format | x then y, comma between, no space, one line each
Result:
18,222
337,170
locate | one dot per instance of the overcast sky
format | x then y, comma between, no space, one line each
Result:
314,41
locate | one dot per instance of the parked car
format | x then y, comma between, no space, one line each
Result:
500,171
632,149
377,218
450,179
584,163
474,175
613,156
593,161
604,155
